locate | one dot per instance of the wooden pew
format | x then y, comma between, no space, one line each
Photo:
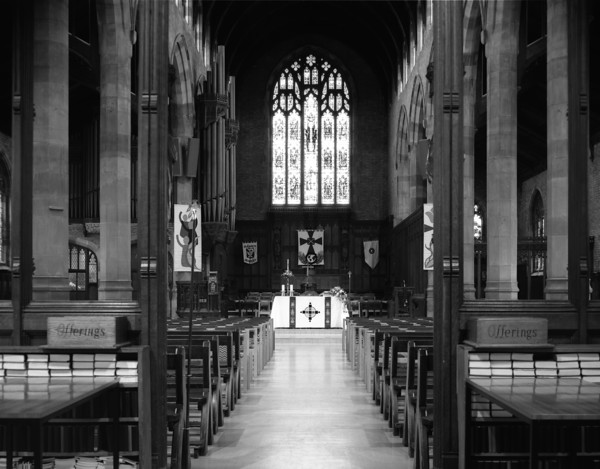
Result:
405,334
400,351
410,395
205,375
424,408
177,409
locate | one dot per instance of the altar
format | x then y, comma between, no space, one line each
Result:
324,312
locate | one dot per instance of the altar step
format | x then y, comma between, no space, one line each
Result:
308,335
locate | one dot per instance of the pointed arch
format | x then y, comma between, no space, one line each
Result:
402,167
181,103
417,112
311,129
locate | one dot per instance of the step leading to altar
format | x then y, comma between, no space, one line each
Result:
287,336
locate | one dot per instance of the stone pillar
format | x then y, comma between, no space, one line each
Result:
22,158
153,81
557,210
471,49
51,150
114,273
502,34
448,221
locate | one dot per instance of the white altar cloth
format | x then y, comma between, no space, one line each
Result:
334,318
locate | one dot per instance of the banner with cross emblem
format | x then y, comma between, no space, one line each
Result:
310,247
371,253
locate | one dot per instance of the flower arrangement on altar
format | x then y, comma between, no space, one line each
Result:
339,293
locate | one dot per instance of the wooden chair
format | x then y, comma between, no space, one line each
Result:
177,409
410,402
424,412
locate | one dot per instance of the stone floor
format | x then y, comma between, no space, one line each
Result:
307,409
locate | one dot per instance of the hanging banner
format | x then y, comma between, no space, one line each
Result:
427,236
186,228
250,252
371,252
310,247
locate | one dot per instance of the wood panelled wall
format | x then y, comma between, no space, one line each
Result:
406,253
277,239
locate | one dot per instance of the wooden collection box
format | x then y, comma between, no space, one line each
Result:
86,331
508,331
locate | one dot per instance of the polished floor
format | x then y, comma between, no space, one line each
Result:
307,409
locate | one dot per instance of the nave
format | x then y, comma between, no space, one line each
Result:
307,409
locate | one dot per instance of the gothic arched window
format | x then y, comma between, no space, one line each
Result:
538,216
310,134
83,273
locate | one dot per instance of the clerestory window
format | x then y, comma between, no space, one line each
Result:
310,134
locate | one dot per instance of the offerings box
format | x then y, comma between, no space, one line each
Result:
86,331
508,331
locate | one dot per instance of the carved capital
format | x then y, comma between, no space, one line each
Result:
148,267
232,128
16,103
16,267
451,104
210,107
149,103
451,266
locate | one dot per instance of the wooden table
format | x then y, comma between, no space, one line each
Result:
538,402
33,403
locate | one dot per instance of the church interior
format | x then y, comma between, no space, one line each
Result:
208,178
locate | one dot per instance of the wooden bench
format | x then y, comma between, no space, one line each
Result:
424,408
401,350
410,395
177,409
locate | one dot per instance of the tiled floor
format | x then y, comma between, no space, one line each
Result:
307,409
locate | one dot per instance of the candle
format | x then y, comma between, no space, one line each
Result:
288,264
291,290
282,290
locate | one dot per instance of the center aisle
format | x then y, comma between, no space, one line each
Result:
307,409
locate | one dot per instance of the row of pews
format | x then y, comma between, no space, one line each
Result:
225,356
394,358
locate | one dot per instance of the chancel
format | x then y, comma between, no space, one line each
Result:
320,233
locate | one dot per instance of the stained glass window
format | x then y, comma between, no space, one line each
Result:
311,134
83,273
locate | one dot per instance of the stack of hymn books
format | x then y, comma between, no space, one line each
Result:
42,366
14,365
501,364
37,365
82,364
567,365
59,365
127,371
590,366
105,364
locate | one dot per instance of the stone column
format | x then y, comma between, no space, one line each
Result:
51,150
502,33
114,282
448,221
153,81
557,212
470,54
